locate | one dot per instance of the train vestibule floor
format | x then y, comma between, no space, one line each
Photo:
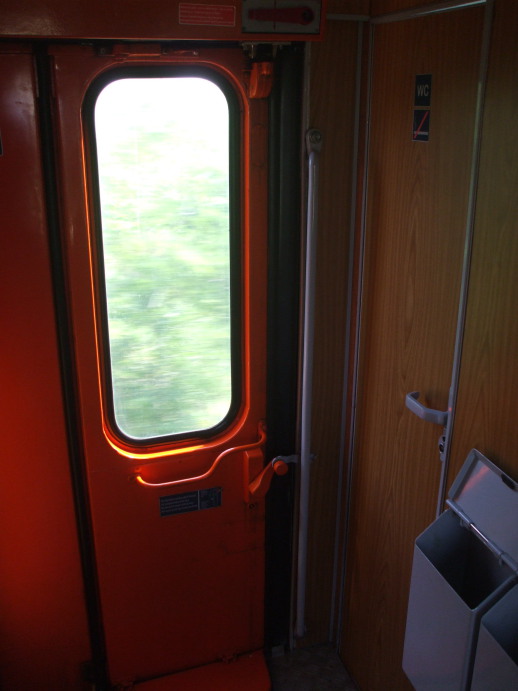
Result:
318,668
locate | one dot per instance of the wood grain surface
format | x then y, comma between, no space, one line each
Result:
486,416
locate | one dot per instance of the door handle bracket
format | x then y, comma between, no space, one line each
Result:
438,417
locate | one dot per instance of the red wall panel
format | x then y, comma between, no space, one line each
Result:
43,629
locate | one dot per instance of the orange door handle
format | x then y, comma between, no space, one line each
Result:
260,485
212,469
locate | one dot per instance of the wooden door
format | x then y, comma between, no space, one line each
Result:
178,533
416,216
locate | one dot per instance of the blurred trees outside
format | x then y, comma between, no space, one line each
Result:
163,165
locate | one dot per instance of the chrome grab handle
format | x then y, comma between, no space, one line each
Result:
313,147
438,417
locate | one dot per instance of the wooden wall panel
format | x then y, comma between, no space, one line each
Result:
486,411
378,7
332,95
355,7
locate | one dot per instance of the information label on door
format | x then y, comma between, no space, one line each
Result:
199,500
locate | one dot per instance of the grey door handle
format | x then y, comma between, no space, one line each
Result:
438,417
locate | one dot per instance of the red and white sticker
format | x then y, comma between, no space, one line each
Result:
196,14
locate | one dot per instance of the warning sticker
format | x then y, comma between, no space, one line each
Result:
421,125
196,14
199,500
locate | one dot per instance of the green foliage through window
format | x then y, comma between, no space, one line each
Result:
163,164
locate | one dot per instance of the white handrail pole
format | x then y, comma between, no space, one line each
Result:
313,146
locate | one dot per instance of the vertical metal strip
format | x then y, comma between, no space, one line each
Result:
337,608
313,145
468,245
357,333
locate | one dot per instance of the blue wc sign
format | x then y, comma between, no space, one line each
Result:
422,100
423,90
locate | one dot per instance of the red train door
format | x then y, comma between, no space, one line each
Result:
163,193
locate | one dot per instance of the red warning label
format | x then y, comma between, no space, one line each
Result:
194,14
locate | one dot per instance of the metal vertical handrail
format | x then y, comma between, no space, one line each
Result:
468,244
313,147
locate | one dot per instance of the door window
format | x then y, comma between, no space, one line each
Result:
167,217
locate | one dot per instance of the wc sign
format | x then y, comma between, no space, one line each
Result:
422,99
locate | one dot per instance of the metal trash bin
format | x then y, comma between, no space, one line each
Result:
463,563
496,659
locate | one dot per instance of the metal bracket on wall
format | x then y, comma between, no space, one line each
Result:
437,417
294,458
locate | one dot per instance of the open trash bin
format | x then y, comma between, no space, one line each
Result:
463,564
496,659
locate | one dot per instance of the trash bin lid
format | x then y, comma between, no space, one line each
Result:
489,499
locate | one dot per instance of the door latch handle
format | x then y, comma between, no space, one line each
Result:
258,487
279,466
212,469
438,417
